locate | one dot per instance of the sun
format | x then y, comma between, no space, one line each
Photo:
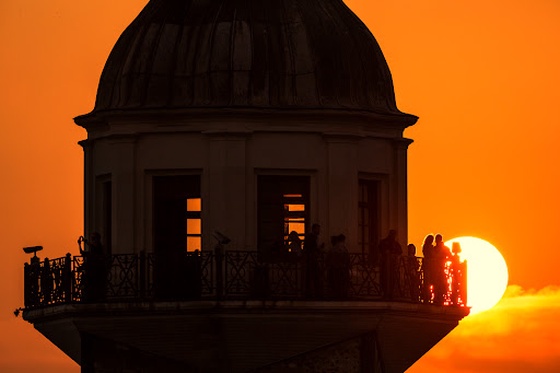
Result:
487,272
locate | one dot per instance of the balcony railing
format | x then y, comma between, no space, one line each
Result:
223,275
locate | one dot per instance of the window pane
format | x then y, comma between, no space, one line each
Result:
194,204
296,207
194,226
298,227
193,243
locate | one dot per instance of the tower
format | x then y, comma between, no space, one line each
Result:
219,128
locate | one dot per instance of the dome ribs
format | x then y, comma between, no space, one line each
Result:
276,54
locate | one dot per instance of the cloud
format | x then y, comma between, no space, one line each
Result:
520,334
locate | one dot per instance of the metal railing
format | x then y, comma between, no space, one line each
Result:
223,274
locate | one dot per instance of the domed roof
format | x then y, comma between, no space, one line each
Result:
277,54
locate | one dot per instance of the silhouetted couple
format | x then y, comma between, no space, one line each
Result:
434,265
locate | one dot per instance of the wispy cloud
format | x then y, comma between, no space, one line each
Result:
520,334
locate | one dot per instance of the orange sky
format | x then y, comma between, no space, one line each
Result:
483,78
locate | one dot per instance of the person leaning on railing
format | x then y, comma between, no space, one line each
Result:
428,268
94,275
413,274
441,256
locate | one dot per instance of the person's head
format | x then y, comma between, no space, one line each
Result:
316,228
95,238
341,238
429,239
334,240
293,236
411,249
392,234
439,238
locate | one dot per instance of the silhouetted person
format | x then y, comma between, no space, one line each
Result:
94,275
428,268
338,265
312,250
32,281
412,272
441,256
457,273
294,245
390,251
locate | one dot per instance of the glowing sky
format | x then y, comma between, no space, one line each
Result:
483,77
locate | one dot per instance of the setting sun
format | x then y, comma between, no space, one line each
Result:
487,272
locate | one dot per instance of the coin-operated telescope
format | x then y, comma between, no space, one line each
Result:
33,250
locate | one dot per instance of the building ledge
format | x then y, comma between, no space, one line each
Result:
270,307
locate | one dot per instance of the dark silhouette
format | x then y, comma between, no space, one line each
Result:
338,266
193,275
413,274
239,274
390,251
441,256
32,272
94,275
428,267
277,252
294,244
312,250
457,271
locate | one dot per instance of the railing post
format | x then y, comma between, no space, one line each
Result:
142,275
219,255
67,279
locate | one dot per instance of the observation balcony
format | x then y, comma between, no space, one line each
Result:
235,275
234,311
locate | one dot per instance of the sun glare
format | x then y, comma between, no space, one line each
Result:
487,272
